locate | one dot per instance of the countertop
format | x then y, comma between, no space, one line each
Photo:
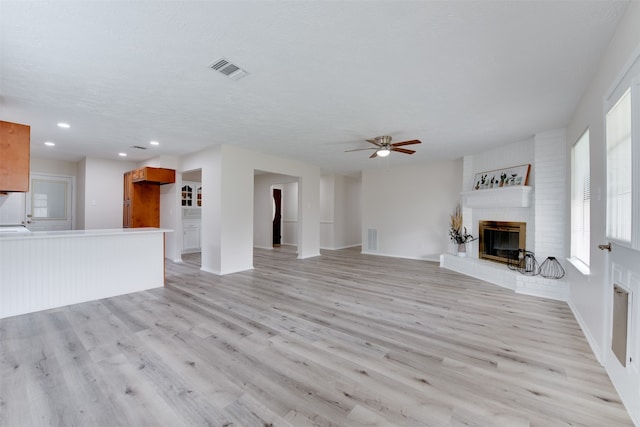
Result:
81,233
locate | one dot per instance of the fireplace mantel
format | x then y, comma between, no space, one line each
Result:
504,197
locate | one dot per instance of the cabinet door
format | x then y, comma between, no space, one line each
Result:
145,205
154,175
126,214
14,157
191,237
128,182
187,195
126,199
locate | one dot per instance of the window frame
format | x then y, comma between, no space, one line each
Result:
632,84
578,261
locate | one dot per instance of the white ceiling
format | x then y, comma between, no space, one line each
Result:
323,76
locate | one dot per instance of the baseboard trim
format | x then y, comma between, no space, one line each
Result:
341,247
399,256
587,333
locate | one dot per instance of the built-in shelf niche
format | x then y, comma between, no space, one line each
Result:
504,197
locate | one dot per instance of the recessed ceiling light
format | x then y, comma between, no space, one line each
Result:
122,154
64,125
49,144
154,143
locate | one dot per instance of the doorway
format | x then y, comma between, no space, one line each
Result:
277,217
191,201
49,203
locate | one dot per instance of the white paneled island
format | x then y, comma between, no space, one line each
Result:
43,270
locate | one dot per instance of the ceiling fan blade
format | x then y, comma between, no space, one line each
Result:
413,141
374,155
402,150
361,149
373,141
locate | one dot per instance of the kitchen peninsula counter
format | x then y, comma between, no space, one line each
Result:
49,269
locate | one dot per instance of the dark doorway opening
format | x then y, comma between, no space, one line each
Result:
277,216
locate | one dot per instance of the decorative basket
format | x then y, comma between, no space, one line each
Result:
551,269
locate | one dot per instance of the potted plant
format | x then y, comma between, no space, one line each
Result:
503,177
458,233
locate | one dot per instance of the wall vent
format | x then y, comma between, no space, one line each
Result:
228,69
138,147
372,239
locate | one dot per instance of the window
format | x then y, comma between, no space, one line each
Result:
619,163
49,199
580,201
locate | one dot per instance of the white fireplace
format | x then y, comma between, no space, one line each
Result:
541,206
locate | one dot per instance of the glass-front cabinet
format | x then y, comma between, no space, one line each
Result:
191,201
187,195
191,195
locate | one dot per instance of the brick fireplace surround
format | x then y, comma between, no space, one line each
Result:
541,205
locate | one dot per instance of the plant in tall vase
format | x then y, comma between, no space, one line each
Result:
458,233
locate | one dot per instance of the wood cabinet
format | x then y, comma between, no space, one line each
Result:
14,157
141,203
154,175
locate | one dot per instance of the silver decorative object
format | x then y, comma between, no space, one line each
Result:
525,263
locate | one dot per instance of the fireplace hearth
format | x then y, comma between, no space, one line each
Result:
500,241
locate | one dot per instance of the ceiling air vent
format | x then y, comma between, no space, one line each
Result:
228,69
137,147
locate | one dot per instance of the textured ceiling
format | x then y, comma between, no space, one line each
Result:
323,76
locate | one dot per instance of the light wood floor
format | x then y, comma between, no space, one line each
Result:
343,339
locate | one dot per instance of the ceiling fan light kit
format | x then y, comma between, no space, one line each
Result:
384,147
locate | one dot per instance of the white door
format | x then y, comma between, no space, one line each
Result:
622,283
49,203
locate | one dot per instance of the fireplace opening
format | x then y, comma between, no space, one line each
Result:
499,241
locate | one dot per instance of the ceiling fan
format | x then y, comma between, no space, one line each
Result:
383,146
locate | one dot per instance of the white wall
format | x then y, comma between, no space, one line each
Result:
263,207
327,197
352,213
102,193
238,168
590,294
54,166
262,212
341,218
80,194
209,161
228,204
410,207
290,213
549,195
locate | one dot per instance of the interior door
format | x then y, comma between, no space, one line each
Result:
622,283
49,203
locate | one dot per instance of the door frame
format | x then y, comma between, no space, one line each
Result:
71,193
621,265
277,217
